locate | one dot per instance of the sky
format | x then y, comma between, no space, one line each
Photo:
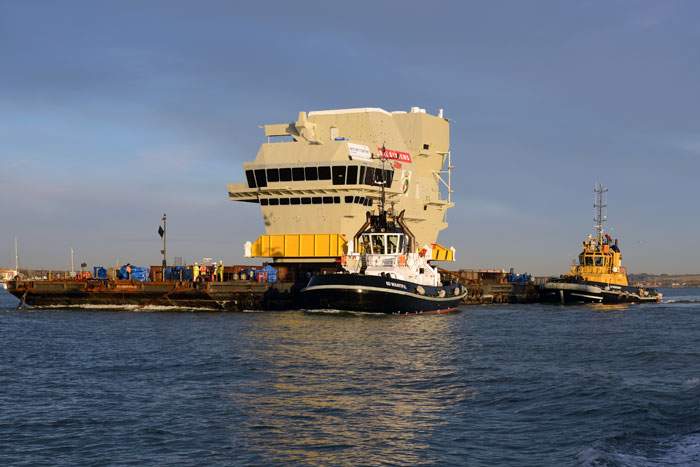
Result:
114,112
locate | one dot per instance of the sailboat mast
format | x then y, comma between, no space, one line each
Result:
16,257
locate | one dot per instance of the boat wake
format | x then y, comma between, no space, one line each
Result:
133,308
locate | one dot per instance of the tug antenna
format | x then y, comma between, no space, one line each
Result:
599,205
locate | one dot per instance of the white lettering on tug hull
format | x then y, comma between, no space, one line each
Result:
396,284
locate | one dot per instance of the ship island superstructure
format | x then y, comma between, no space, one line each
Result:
315,179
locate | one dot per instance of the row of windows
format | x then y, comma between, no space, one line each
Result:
315,200
339,174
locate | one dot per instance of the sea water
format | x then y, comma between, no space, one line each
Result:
492,385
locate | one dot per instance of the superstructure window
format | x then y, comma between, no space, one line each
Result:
338,175
336,199
294,201
284,201
348,199
369,176
388,177
273,175
327,200
298,174
351,178
260,178
311,173
305,200
274,202
250,176
263,202
285,175
361,178
316,200
324,173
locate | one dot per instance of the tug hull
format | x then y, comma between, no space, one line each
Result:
375,294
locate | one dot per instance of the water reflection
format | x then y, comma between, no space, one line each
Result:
349,390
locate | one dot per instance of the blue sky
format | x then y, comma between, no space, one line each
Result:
112,113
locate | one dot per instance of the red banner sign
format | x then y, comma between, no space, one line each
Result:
391,154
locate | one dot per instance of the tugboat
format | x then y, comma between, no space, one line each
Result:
384,272
599,276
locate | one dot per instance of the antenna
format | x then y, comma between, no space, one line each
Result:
16,257
599,205
72,263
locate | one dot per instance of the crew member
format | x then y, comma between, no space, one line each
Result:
195,272
220,271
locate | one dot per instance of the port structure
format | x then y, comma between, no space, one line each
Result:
319,175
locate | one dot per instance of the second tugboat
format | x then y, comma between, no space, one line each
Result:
599,276
384,272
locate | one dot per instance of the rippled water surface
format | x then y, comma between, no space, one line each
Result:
492,385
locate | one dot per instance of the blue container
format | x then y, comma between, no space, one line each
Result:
271,274
99,272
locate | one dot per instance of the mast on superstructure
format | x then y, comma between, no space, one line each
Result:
599,206
16,257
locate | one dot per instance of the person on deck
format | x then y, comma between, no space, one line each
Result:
195,272
220,271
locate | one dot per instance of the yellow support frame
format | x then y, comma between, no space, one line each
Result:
299,246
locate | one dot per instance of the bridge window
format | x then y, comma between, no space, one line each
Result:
348,199
285,175
338,175
599,261
263,202
305,200
284,201
369,176
260,178
327,200
351,178
274,202
294,201
324,173
316,200
361,178
273,175
298,174
250,176
311,173
336,199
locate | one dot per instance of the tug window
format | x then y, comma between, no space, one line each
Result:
273,175
369,176
598,260
311,173
298,174
284,201
327,200
338,175
251,178
351,179
324,173
316,200
285,175
589,261
260,178
306,201
378,244
295,201
392,244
